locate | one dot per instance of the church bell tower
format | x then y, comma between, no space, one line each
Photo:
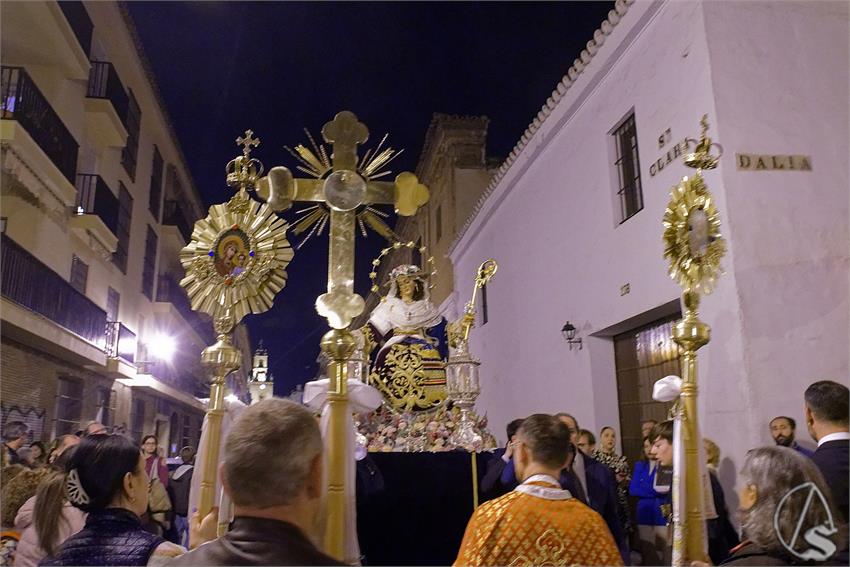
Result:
261,383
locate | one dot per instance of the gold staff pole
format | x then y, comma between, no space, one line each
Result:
694,247
235,264
691,334
341,186
338,345
220,359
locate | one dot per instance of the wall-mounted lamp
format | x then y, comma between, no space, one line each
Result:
569,332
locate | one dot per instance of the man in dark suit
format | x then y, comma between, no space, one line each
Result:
593,483
827,419
272,472
492,485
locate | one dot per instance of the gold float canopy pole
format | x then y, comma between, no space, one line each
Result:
344,186
694,247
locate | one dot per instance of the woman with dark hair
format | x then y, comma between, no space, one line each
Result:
619,466
47,519
149,446
651,523
107,479
37,456
778,500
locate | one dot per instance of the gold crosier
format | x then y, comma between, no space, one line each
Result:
343,189
694,247
235,264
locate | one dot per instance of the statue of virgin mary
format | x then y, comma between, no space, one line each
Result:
409,367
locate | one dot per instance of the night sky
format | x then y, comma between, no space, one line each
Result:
279,67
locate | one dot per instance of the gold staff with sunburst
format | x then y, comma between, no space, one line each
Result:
343,190
235,264
694,247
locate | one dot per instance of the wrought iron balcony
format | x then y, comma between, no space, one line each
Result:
80,22
120,342
168,290
104,83
175,214
31,284
94,197
22,101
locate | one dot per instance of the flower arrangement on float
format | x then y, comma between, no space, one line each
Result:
387,431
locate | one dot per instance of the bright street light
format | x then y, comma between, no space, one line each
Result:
162,346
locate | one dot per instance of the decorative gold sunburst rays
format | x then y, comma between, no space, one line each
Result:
237,259
315,161
693,243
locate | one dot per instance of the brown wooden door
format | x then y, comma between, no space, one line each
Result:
642,356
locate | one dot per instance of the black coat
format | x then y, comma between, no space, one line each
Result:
258,541
833,460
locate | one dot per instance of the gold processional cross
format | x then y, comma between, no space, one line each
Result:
343,190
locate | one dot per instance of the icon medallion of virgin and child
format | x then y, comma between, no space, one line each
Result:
232,253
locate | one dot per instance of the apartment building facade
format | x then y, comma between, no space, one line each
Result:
97,201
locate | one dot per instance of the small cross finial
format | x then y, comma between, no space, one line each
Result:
345,132
247,142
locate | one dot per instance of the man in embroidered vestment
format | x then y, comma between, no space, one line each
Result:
538,523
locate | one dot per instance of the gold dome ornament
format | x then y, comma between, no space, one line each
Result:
236,261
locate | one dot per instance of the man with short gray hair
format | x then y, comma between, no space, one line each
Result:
14,437
272,472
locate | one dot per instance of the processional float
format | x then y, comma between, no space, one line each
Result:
694,248
236,260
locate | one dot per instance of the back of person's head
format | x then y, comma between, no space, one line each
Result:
17,491
14,430
773,474
591,438
49,500
663,430
270,452
187,454
101,462
94,428
828,402
11,471
563,414
547,439
60,445
712,452
513,427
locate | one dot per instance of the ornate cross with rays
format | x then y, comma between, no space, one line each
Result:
339,186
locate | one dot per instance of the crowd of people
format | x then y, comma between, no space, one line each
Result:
557,497
38,513
635,502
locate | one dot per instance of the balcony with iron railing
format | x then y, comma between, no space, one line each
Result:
176,214
29,283
56,36
80,22
21,101
120,342
96,211
168,290
107,103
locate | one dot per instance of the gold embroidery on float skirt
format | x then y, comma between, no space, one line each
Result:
413,377
548,550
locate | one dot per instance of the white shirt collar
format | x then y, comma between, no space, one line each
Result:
545,492
840,436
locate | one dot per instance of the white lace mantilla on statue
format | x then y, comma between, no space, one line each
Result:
395,313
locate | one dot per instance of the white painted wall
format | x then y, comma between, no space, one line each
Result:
779,315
